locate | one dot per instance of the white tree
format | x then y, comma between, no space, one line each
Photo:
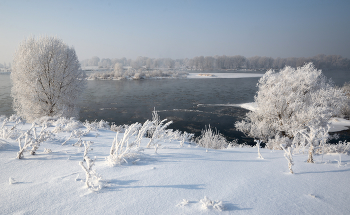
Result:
47,79
290,100
118,70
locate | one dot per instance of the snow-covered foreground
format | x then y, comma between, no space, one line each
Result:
175,180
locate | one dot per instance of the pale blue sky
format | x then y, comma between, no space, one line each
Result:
182,28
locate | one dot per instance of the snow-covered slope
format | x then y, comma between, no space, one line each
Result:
174,180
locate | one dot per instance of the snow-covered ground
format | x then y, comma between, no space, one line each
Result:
223,75
175,180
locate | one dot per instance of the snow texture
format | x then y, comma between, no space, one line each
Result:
157,183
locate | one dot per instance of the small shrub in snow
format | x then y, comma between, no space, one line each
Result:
31,139
47,151
340,147
339,161
178,135
183,203
155,121
118,128
95,125
93,180
258,145
314,137
61,124
143,131
12,181
122,149
76,134
275,143
288,154
207,204
79,143
156,147
158,131
234,144
211,139
10,132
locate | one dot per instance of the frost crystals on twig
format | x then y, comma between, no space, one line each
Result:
289,156
207,203
93,180
258,145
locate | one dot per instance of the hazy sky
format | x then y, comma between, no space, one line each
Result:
181,28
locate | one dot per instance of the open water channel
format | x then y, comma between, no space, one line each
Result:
191,104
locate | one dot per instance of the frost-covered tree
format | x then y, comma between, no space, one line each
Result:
118,69
289,101
47,79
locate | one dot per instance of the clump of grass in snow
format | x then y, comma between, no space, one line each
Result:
211,139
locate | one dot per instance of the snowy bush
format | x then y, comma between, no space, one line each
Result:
207,204
95,125
129,145
125,147
10,132
275,143
60,124
76,134
93,180
47,79
314,137
290,100
340,147
183,203
32,139
211,139
119,128
180,136
130,74
158,132
143,131
63,124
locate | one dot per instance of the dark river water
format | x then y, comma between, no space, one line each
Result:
191,104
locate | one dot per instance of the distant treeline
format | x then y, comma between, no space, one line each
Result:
222,62
5,65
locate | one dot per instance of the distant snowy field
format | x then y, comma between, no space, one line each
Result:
158,74
175,180
223,75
